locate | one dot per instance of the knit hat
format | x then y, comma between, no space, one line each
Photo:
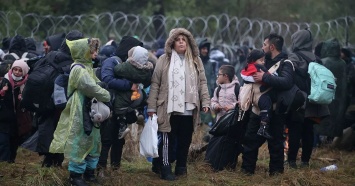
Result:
126,43
255,55
140,55
22,64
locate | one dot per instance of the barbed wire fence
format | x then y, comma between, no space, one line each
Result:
227,32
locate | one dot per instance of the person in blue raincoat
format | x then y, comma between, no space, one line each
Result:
82,150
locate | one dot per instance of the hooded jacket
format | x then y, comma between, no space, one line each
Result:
55,41
226,97
302,42
126,43
136,73
210,70
18,45
333,125
69,136
158,95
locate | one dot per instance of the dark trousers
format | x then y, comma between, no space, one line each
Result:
109,140
176,143
265,105
14,144
4,147
299,129
252,142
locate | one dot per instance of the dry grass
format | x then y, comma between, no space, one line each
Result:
135,170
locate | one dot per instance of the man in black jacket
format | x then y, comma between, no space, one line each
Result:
272,47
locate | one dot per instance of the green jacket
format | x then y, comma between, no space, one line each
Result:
69,136
135,73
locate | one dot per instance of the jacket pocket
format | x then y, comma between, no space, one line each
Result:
161,111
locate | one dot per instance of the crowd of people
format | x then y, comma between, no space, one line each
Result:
186,82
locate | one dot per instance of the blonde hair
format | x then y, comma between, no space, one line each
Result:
188,52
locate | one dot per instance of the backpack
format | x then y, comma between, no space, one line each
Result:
236,90
321,82
37,94
8,60
60,96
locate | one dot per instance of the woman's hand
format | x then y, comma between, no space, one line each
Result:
5,88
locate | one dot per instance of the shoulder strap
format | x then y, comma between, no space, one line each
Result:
303,56
76,64
274,67
218,90
288,61
24,55
15,55
236,90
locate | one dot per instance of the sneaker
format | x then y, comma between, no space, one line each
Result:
124,133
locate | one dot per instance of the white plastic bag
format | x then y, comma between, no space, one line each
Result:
148,143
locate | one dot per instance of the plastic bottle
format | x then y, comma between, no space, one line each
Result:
329,168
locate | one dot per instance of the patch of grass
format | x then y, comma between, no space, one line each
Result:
136,170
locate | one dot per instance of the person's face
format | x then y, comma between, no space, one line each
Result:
267,48
342,56
260,61
222,78
204,51
17,71
46,47
94,55
180,44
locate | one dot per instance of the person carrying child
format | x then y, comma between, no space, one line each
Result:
138,70
255,63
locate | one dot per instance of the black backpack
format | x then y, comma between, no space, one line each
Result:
37,94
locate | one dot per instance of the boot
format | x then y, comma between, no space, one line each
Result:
180,171
76,179
166,173
89,175
264,131
155,166
48,160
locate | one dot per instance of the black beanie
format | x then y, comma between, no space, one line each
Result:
126,43
255,55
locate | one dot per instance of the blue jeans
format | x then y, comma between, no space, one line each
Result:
89,163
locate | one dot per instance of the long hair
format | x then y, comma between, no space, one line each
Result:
188,53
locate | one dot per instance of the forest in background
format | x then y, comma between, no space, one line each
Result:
273,10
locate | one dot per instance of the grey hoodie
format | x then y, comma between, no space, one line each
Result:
302,42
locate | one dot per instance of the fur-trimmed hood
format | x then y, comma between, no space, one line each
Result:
147,66
174,33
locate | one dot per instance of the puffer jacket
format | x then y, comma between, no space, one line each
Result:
226,98
159,89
